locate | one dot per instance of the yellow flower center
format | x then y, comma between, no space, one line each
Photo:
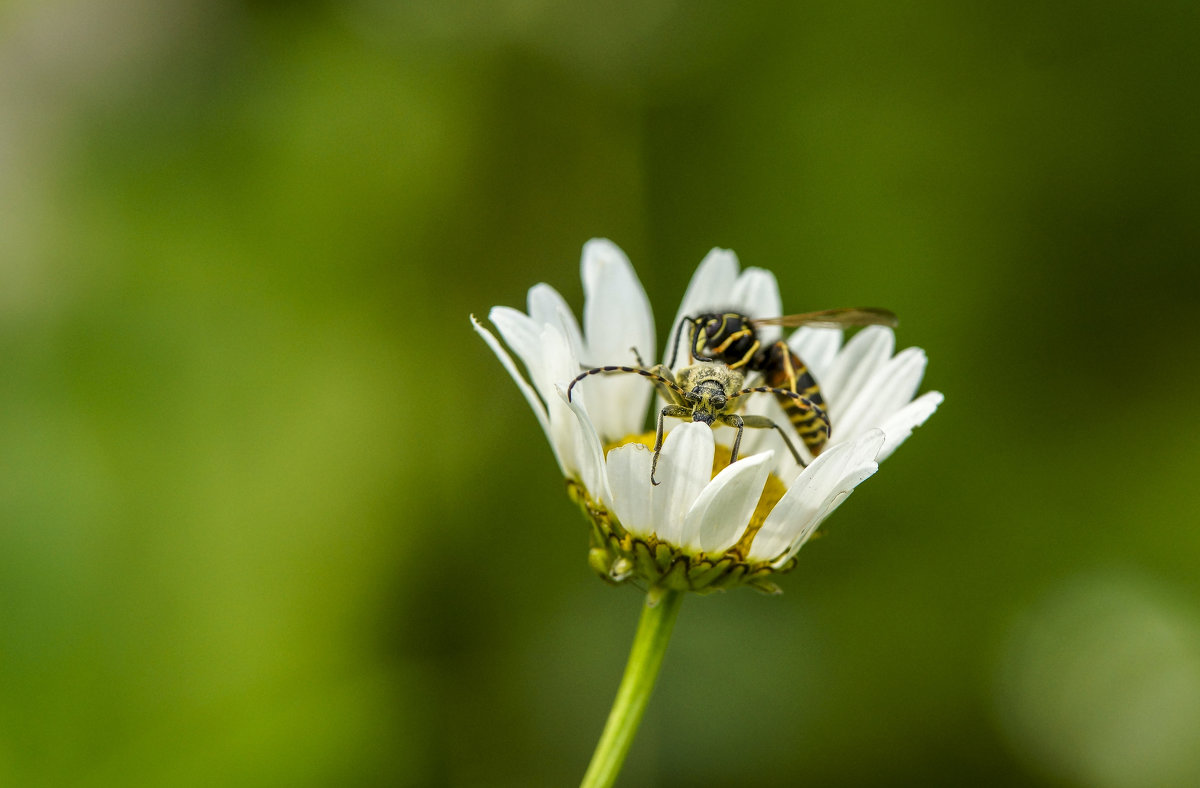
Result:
773,490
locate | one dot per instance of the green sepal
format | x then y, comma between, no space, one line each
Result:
676,577
701,575
618,556
765,587
644,561
664,556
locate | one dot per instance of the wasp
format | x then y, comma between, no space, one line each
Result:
709,392
732,338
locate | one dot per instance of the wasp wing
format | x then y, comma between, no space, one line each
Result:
834,318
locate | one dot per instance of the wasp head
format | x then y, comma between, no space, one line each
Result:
703,328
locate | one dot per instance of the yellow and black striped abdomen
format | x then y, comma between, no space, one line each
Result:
783,369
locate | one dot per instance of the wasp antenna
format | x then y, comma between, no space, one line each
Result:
675,338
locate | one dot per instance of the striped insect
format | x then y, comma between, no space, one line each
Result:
709,392
732,338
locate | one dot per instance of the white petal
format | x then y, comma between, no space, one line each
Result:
617,319
900,425
520,333
723,509
817,347
531,396
709,290
803,506
891,387
757,294
616,313
525,337
855,477
558,365
631,497
684,468
589,453
853,367
547,307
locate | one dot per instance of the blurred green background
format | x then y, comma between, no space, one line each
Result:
271,514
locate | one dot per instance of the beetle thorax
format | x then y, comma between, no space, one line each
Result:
710,374
709,387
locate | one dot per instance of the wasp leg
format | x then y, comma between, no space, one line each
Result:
765,423
720,350
675,411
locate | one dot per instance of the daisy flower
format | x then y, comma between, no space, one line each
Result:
707,524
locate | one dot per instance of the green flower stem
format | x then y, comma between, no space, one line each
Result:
649,644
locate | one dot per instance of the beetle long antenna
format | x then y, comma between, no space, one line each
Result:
643,372
804,402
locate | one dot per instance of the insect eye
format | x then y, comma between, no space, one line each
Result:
718,401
